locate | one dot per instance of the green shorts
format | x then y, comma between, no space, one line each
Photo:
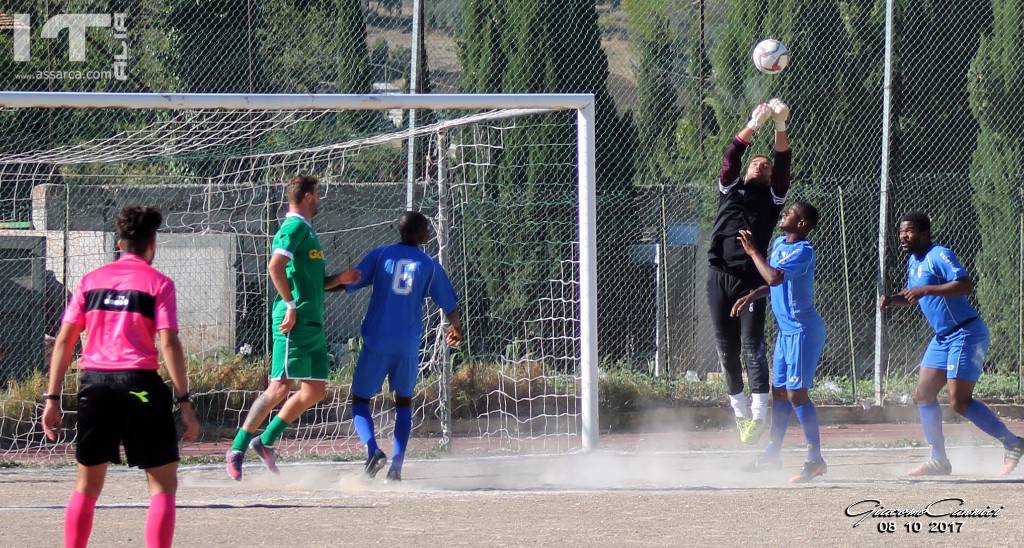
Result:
300,355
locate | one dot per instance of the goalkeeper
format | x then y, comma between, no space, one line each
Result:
752,202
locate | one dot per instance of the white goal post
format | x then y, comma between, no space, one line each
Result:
586,221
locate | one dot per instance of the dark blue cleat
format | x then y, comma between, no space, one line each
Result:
375,463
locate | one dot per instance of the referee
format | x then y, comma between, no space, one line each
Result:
752,202
123,306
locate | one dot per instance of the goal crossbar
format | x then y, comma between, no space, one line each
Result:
241,101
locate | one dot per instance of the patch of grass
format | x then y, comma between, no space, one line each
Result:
477,383
621,388
226,372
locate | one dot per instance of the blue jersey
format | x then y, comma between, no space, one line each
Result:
402,276
793,299
938,266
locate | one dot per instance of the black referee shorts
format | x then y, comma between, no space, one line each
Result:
125,407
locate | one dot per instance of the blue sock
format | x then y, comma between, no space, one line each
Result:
809,421
984,418
362,419
403,427
781,410
931,423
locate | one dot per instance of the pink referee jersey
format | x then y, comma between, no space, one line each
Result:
122,305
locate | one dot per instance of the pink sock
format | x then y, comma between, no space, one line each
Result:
160,521
78,520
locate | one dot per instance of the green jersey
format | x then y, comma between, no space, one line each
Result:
297,240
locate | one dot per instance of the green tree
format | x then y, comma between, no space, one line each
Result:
481,53
657,108
995,79
207,54
529,211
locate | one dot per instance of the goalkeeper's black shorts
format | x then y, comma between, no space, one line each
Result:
133,408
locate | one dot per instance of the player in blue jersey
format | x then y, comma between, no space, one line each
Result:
402,276
789,275
940,285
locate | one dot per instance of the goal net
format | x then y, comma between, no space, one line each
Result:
501,186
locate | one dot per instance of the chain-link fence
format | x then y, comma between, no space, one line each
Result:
673,83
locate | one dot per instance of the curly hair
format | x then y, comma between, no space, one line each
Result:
137,226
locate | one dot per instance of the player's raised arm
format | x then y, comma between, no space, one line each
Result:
732,160
783,157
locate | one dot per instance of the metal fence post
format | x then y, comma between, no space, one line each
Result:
442,259
881,343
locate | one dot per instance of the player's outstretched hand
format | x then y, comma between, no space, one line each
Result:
190,422
350,276
51,419
759,116
454,335
746,239
288,322
739,306
780,113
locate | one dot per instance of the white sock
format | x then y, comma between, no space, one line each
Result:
739,405
758,405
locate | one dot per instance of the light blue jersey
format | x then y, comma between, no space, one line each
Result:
961,338
402,276
801,337
938,266
793,299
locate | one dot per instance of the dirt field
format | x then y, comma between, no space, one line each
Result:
610,498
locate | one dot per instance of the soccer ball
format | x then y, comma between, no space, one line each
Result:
770,56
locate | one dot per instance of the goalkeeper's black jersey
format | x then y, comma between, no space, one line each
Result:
745,207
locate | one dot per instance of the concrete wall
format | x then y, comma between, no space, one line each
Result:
215,243
201,265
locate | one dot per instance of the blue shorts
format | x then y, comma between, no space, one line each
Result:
796,359
961,353
401,371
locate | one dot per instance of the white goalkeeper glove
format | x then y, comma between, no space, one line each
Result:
759,116
780,113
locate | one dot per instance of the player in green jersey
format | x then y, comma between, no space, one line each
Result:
300,346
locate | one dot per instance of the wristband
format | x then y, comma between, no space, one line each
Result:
780,125
290,305
55,397
187,397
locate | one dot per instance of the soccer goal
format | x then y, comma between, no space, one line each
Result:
508,182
